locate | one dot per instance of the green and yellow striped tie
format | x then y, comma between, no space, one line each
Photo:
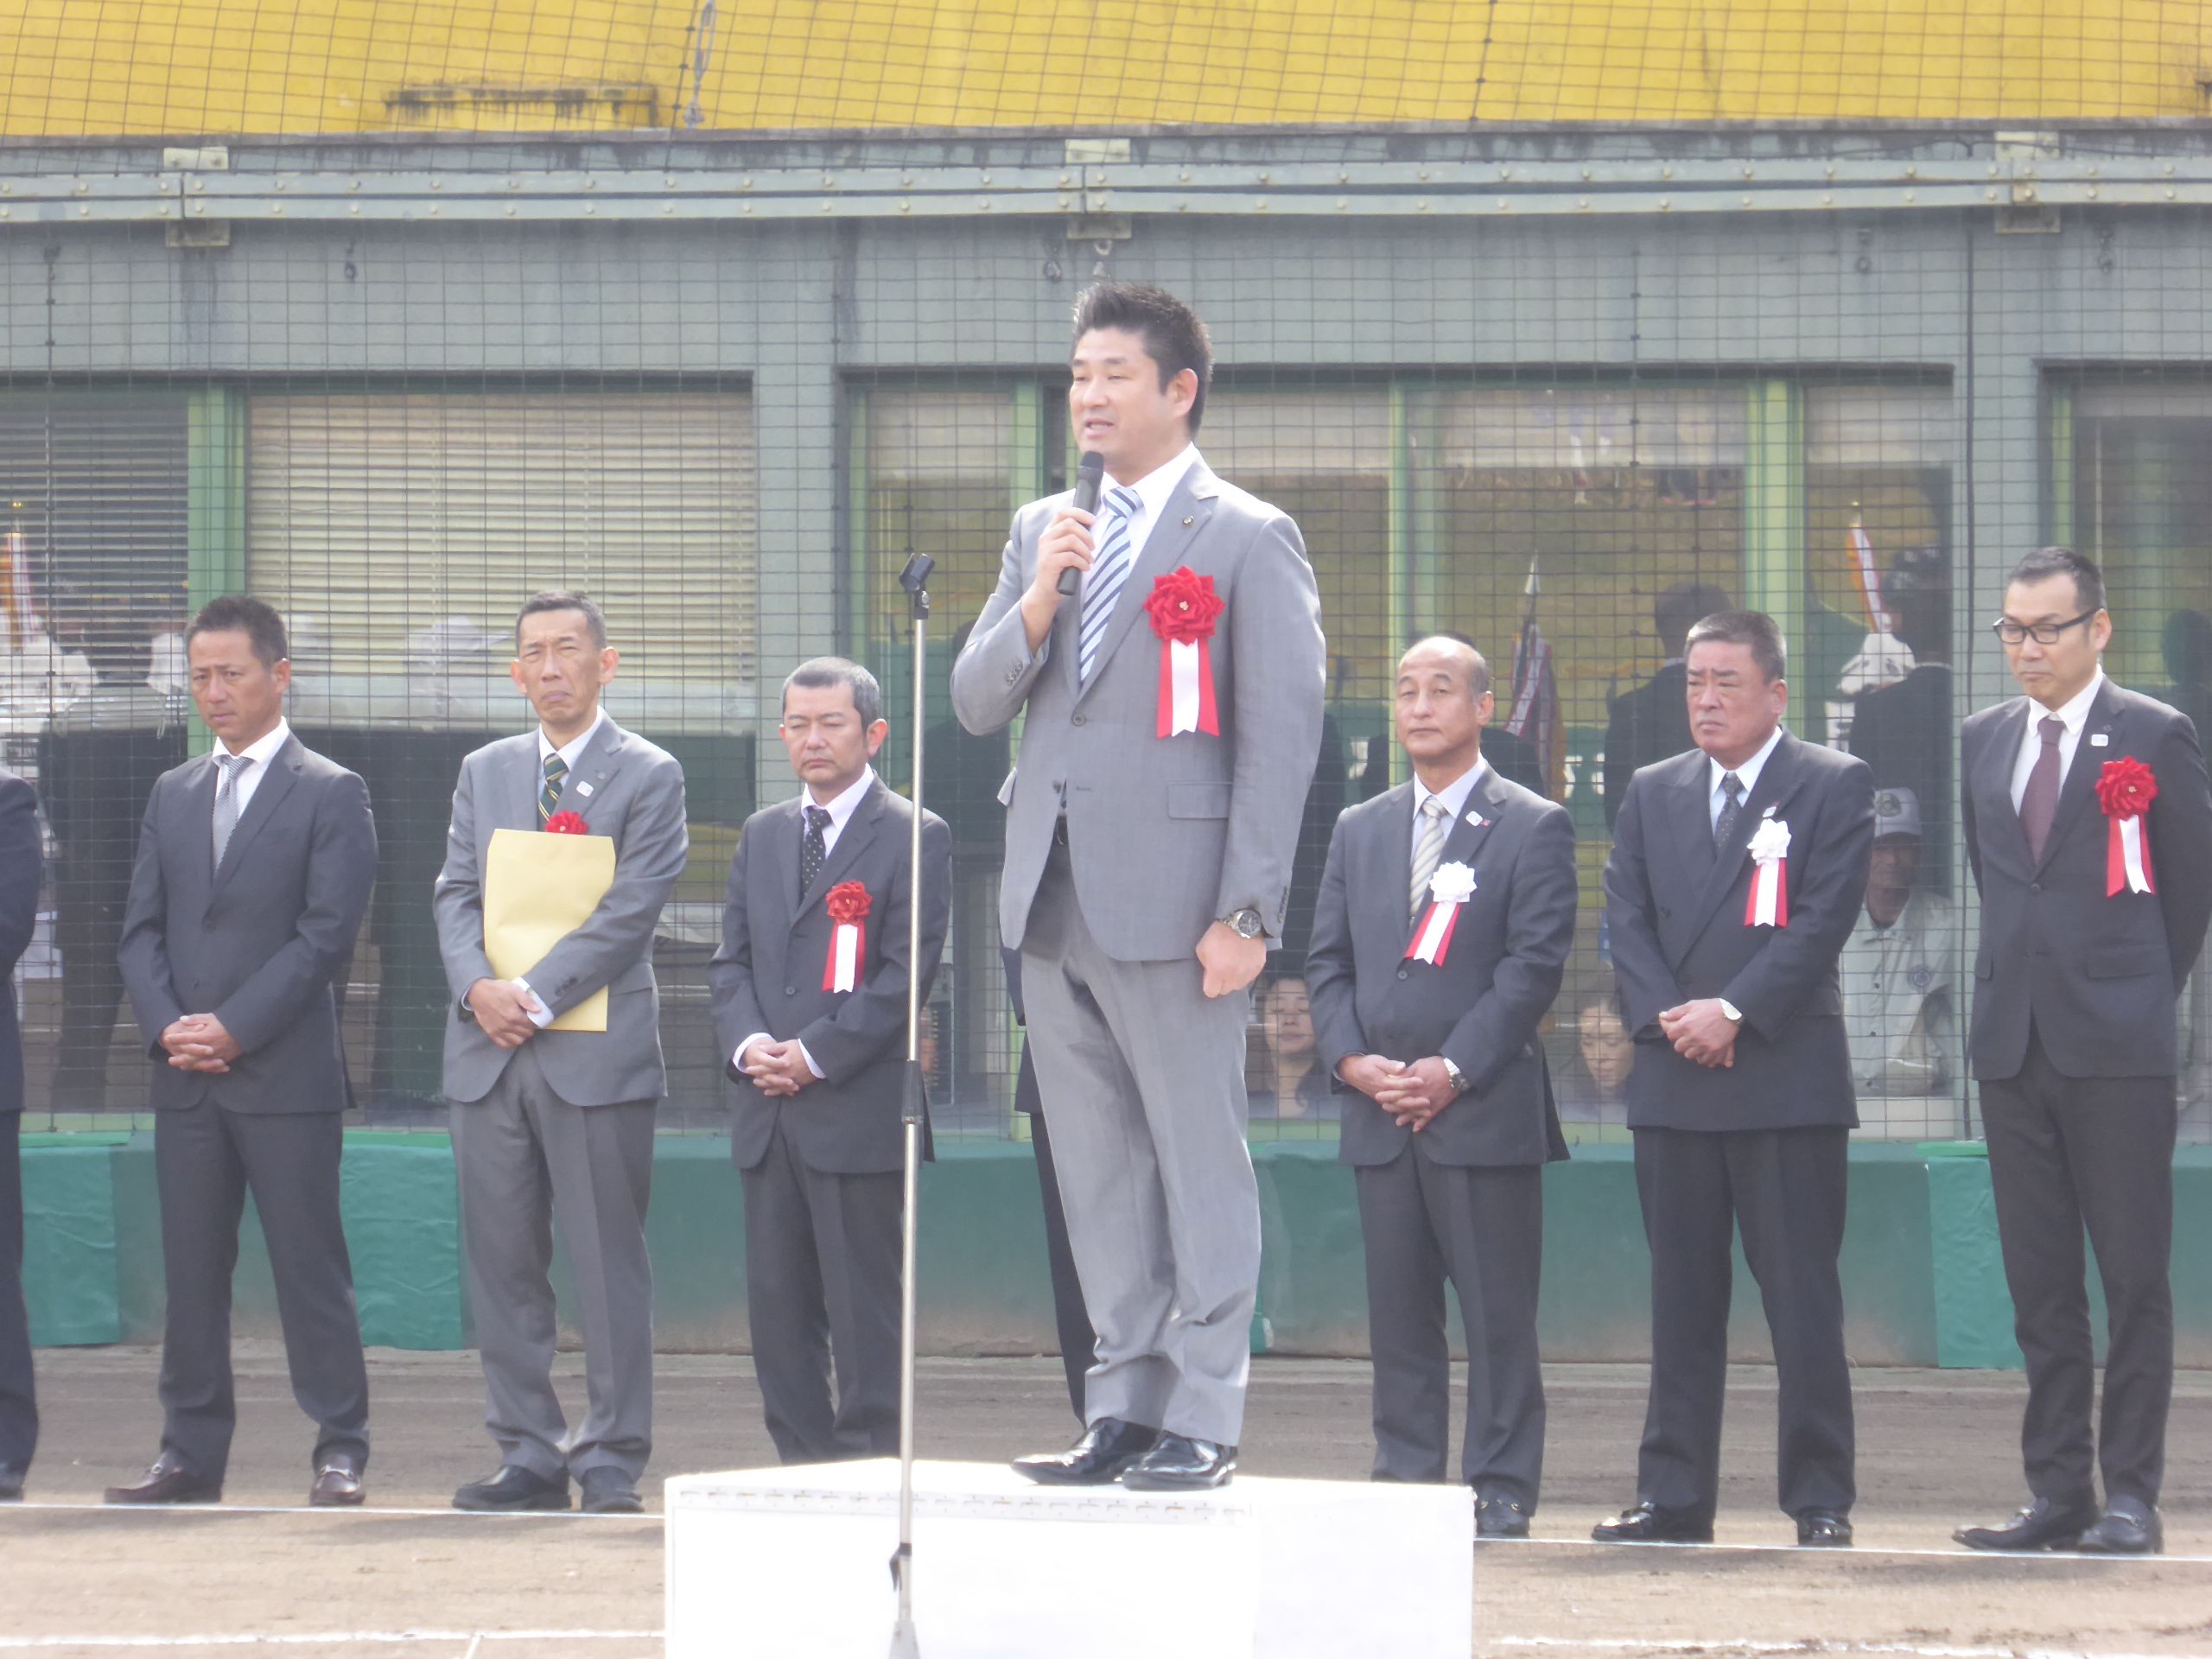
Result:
549,798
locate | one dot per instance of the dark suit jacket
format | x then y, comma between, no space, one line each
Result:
1481,1007
262,944
21,856
767,976
2099,976
1674,910
1644,725
1904,732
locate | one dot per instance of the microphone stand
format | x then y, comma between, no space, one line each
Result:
914,579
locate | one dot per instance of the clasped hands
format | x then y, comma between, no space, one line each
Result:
1700,1031
779,1070
1413,1093
198,1043
501,1008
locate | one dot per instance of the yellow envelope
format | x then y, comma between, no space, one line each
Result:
538,890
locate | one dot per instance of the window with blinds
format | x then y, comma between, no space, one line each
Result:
399,531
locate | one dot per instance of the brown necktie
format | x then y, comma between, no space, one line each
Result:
2039,801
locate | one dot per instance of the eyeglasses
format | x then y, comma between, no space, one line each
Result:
2045,633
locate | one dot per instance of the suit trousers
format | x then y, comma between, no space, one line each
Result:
1481,1227
1786,1190
1078,1342
527,1160
822,1291
2066,1153
18,1397
205,1161
1142,1076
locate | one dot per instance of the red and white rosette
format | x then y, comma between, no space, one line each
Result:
2126,789
567,824
848,904
1450,887
1768,903
1184,608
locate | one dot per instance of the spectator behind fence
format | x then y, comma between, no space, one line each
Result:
1903,730
20,860
555,1127
811,1021
252,878
1652,722
1292,1086
2074,1041
1445,919
1896,979
1594,1087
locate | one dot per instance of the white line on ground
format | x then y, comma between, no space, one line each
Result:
1742,1644
331,1638
328,1512
1979,1557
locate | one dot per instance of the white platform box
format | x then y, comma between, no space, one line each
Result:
793,1564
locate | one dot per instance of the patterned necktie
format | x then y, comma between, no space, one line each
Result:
549,798
814,851
226,800
1732,788
1109,574
1428,850
2039,801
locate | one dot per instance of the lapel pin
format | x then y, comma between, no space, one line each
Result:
2098,739
1188,522
1478,820
583,788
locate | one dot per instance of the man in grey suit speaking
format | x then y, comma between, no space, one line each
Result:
1172,693
556,1127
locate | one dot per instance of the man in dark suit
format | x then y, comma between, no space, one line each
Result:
809,991
1453,1120
2072,1040
1740,1099
253,875
1652,722
20,860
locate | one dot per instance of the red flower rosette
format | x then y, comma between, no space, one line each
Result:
2126,789
1183,607
567,824
848,905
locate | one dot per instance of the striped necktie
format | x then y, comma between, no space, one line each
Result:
226,800
549,798
1428,852
1109,574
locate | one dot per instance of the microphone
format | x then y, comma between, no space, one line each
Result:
1090,478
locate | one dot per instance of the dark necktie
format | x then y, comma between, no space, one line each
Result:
814,851
2039,800
1731,789
549,798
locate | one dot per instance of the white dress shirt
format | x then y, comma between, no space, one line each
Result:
1454,795
260,752
540,1015
1747,774
2074,714
841,809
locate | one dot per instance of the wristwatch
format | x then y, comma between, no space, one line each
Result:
1246,922
1729,1010
1459,1078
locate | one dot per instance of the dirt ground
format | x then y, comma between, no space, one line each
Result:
408,1575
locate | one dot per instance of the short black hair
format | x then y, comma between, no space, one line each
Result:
1753,628
565,599
2048,562
1479,679
820,672
1678,608
1174,335
243,613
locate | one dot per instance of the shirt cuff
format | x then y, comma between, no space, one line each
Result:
738,1058
819,1075
540,1015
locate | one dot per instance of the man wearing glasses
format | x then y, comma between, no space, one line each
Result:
2089,826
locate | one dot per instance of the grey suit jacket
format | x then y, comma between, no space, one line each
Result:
2099,976
621,786
1481,1008
1675,913
262,944
767,976
1168,834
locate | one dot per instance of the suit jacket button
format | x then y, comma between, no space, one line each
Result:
1013,675
1401,973
1078,720
790,991
2035,887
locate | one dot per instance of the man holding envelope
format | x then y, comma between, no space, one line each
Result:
553,1060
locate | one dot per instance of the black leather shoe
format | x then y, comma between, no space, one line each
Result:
337,1482
1823,1529
168,1482
515,1488
1107,1446
1178,1464
2127,1527
1500,1517
607,1491
12,1483
2044,1524
1647,1524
